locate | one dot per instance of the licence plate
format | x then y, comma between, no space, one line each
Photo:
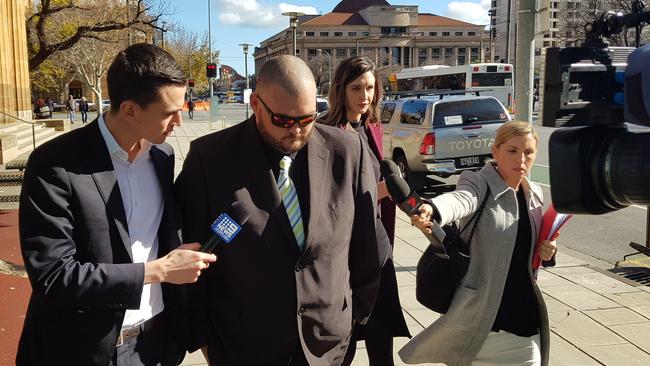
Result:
469,161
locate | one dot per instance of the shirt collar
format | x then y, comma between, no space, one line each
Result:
114,149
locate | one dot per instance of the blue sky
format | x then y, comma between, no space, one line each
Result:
252,21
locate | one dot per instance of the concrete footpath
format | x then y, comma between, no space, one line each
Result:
596,317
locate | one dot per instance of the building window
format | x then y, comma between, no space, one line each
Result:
471,33
338,34
458,34
545,43
461,60
309,34
494,3
553,24
553,15
393,30
311,53
474,49
569,5
445,34
422,56
435,50
352,34
365,34
554,4
353,52
367,51
461,50
324,34
433,34
341,52
449,51
494,21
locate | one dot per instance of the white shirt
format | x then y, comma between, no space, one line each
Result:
143,206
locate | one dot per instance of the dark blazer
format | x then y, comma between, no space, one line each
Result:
73,235
263,298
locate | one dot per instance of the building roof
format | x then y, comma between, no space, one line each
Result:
353,6
424,19
428,19
337,19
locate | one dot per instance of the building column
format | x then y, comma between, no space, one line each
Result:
15,92
401,56
455,56
429,55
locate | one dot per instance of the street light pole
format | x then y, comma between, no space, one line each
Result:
245,46
293,24
329,58
212,105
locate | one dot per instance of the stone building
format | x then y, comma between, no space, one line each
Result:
393,36
15,97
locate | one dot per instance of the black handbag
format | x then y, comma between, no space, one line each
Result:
442,267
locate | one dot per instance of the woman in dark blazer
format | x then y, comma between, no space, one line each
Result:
354,97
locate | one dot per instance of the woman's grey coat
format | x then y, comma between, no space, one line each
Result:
456,337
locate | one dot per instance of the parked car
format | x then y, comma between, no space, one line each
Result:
439,135
106,105
322,105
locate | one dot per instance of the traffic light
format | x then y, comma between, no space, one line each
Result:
190,83
494,33
211,70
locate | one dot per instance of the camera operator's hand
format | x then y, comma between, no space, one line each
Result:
548,247
423,220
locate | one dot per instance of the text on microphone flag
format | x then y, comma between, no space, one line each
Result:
225,227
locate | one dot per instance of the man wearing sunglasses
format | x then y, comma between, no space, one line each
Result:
287,289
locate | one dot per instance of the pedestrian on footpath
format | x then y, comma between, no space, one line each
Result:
41,111
50,105
99,231
305,266
83,108
190,108
70,106
498,315
354,106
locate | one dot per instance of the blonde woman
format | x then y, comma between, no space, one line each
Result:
497,315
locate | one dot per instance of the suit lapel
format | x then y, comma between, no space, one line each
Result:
165,174
317,160
263,187
104,177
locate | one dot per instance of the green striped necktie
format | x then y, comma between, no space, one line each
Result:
290,200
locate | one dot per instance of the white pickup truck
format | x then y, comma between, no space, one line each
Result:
440,135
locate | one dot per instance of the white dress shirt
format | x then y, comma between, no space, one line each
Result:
143,206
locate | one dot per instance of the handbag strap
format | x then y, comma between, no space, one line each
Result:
477,215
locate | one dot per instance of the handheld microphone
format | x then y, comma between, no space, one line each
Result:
407,199
226,227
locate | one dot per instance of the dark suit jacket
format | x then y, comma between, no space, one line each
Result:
73,235
263,298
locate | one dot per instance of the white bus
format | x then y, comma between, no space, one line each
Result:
494,78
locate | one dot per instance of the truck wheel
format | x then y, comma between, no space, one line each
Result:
414,179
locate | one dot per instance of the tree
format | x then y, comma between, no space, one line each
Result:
191,51
91,58
319,65
52,75
53,25
576,15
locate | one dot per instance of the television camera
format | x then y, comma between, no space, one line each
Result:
597,164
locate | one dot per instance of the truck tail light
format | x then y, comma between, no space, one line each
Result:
428,145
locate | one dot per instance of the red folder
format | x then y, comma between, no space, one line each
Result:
552,221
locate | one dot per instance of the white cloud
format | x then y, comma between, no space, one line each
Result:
252,13
472,12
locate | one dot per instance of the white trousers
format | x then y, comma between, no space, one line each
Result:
507,349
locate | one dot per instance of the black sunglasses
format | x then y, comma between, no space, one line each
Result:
283,121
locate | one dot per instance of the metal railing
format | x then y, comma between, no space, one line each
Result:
25,121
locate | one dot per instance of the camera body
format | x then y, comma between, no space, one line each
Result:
597,164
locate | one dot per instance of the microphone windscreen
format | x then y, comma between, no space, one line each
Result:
397,187
238,213
388,167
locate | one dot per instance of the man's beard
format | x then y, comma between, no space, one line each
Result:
277,144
